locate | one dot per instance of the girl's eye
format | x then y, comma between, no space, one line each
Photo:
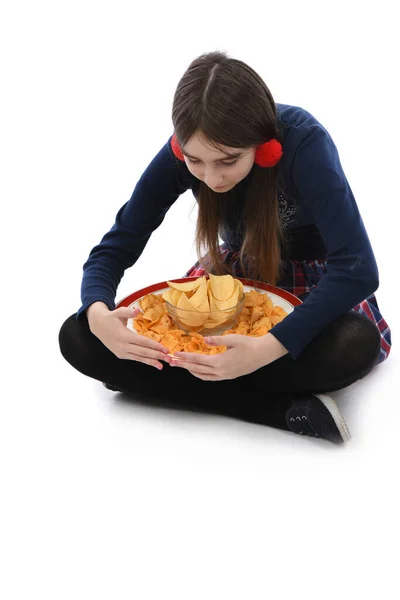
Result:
195,162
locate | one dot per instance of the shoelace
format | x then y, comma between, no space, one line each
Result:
302,426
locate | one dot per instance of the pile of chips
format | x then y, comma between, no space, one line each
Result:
204,303
257,317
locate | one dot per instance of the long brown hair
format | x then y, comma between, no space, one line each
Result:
229,104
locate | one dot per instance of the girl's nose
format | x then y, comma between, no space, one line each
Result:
213,180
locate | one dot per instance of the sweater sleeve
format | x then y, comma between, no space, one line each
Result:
157,189
352,273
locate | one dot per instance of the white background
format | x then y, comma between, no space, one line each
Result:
113,500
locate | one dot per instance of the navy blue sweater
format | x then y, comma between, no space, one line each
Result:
317,200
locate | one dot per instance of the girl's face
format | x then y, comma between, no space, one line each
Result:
214,167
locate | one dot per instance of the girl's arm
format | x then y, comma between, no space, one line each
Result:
157,189
352,273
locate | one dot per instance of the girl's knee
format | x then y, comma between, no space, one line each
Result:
67,338
369,333
82,349
360,337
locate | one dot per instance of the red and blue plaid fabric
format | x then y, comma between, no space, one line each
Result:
300,278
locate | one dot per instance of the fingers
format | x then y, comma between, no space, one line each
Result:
187,359
202,366
142,349
147,360
148,353
145,342
199,365
196,368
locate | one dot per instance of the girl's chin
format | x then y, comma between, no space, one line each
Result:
222,188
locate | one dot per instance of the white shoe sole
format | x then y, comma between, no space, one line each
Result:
337,416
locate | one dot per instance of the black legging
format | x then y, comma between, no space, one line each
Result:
344,352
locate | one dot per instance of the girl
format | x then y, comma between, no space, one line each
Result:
268,183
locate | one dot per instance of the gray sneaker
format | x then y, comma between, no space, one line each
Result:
317,415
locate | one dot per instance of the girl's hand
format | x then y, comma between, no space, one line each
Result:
110,328
243,355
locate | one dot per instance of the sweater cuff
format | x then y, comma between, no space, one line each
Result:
82,311
285,336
